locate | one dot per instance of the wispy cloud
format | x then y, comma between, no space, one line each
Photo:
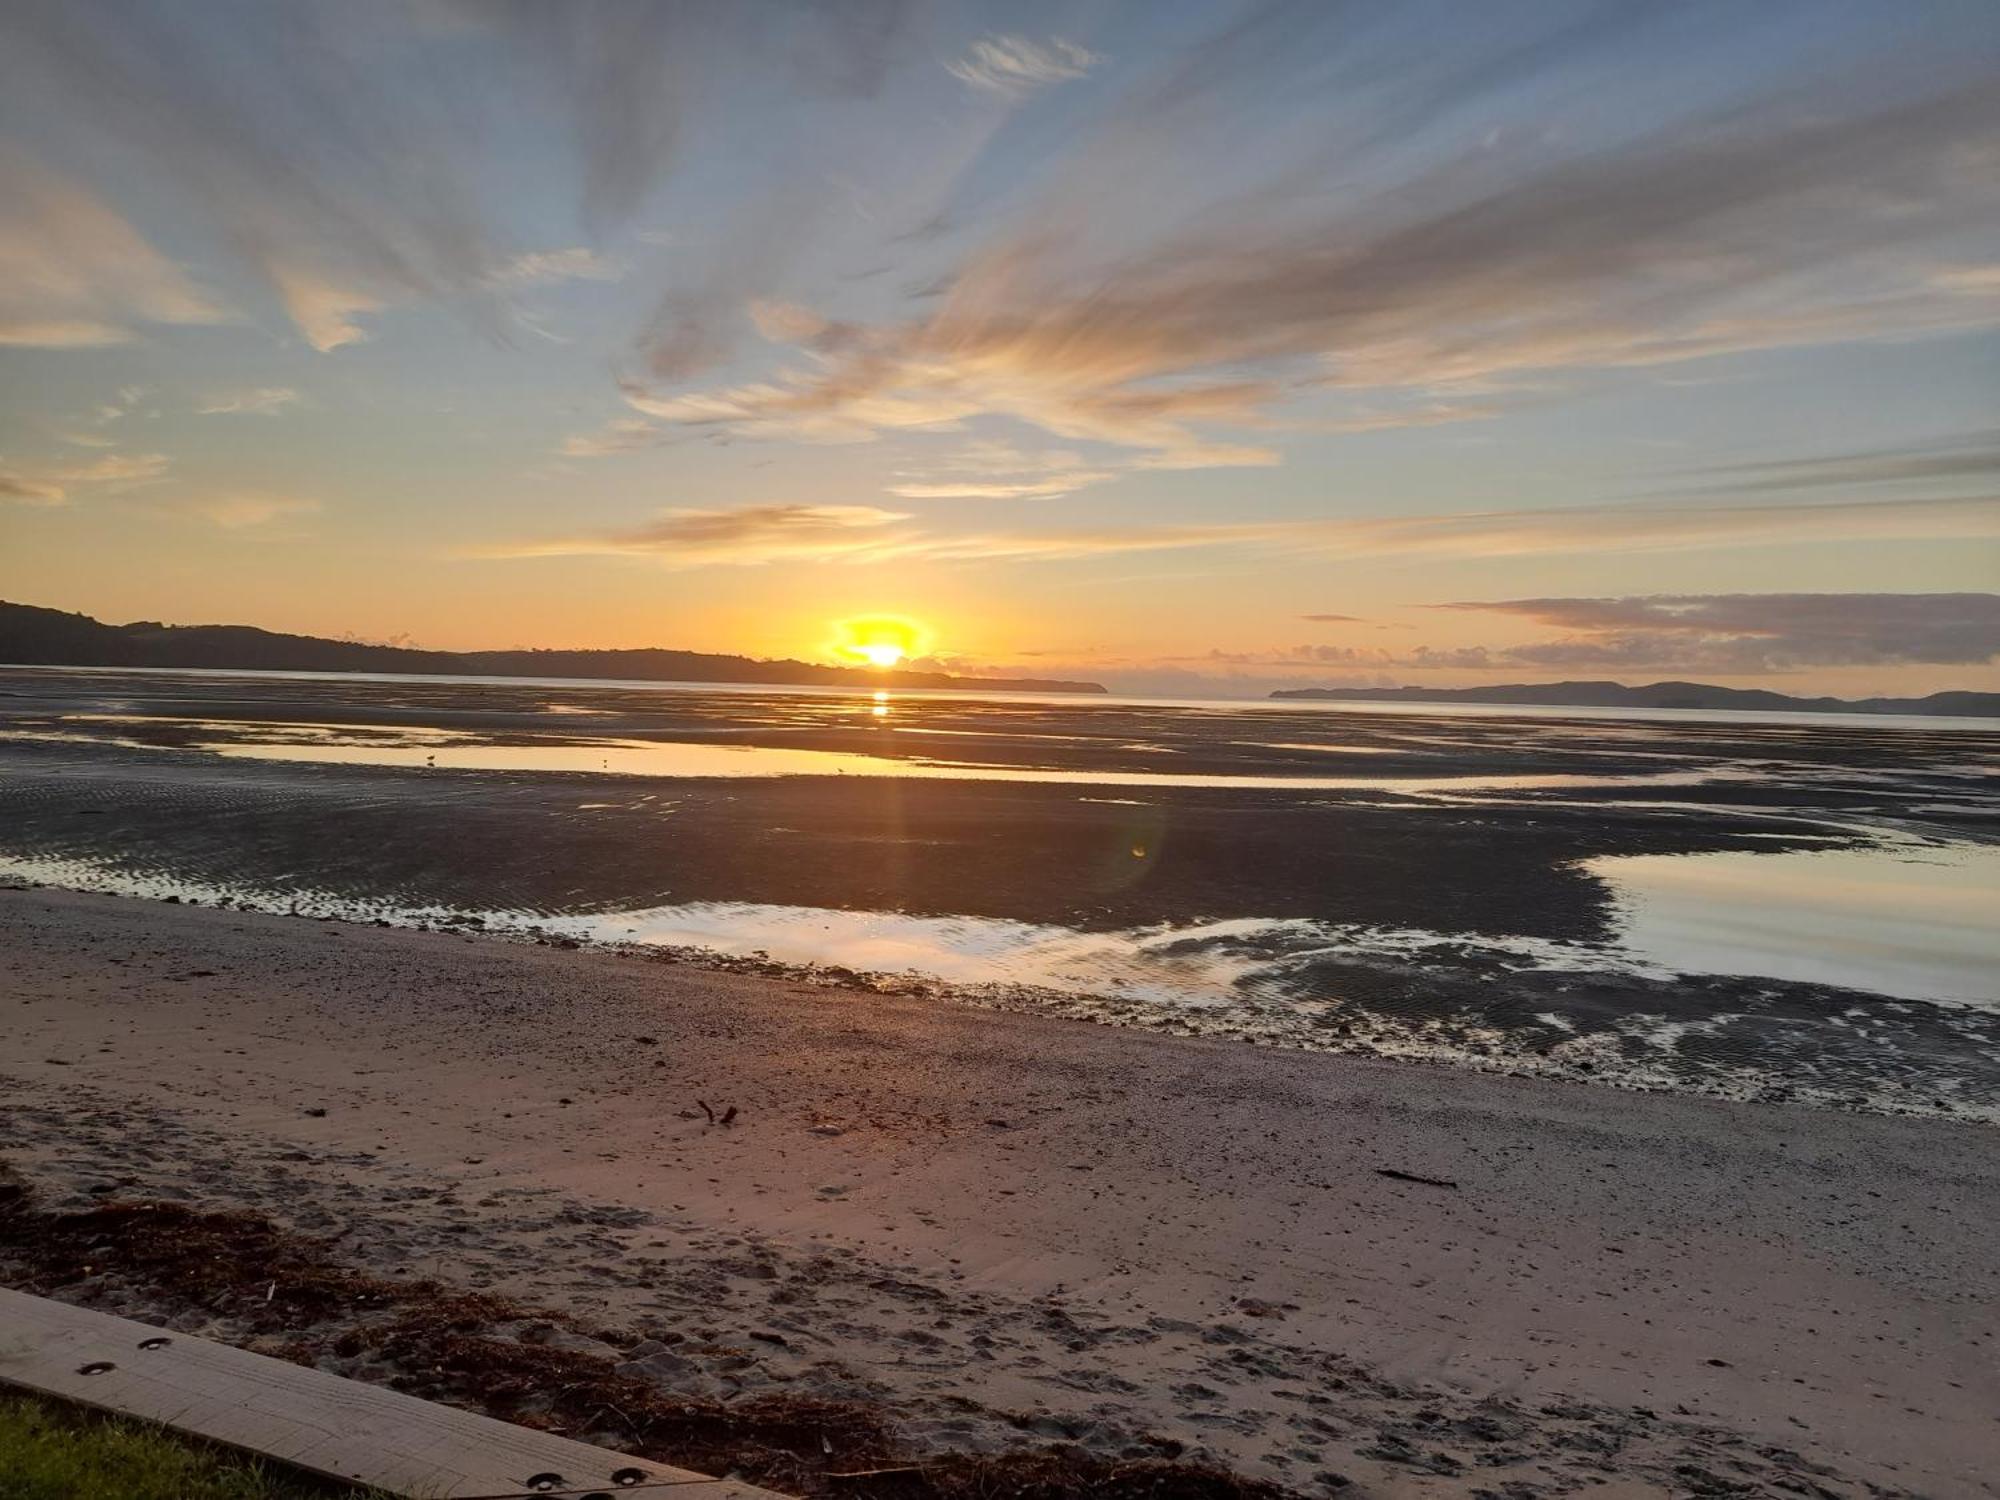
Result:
1729,635
263,401
1976,281
867,534
73,273
1661,527
1016,65
310,163
56,484
1422,414
323,308
1052,487
1775,220
753,534
1185,261
1000,471
96,429
1519,533
31,489
1751,633
295,132
1959,456
553,267
237,512
621,435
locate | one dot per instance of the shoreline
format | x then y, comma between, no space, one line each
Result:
1614,1058
1210,1220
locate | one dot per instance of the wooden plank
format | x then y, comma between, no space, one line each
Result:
339,1429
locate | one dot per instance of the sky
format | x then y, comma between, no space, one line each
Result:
1194,348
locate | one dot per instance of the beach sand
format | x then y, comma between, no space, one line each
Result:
1010,1229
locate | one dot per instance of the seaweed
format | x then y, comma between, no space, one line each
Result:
444,1343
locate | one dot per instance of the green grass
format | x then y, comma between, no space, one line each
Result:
50,1453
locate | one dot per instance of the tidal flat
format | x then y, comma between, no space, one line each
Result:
1786,907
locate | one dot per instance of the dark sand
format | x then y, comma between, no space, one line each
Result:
1013,1228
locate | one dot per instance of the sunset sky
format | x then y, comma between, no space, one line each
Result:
1194,348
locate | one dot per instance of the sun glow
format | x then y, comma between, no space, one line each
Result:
879,641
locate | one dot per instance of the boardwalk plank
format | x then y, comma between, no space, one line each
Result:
340,1429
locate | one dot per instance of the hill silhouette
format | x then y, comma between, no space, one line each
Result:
32,636
1700,695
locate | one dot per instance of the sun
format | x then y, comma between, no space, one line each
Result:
879,641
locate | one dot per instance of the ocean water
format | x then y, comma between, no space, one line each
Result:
1916,920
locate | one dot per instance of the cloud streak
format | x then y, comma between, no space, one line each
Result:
1000,471
1753,633
753,534
1710,634
620,435
341,151
240,512
535,268
1016,65
867,534
73,273
262,401
1964,456
57,484
1778,220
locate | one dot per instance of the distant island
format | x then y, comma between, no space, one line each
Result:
34,637
1702,695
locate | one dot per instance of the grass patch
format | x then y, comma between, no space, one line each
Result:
48,1452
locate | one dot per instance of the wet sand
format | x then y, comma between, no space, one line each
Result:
1014,1228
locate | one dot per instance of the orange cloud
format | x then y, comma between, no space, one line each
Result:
754,534
838,533
54,486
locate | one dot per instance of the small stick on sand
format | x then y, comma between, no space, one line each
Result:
1445,1182
876,1473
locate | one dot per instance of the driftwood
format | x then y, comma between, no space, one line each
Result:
1443,1182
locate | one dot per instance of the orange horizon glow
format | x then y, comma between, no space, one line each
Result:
880,641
